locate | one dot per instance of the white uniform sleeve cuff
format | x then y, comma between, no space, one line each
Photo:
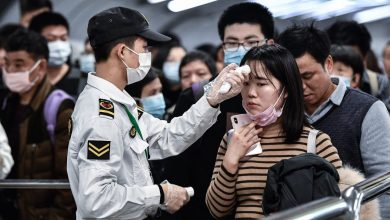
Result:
204,105
152,195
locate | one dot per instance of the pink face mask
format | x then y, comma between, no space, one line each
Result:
19,82
268,116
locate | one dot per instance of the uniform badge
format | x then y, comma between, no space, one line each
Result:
99,150
70,127
140,111
106,108
133,132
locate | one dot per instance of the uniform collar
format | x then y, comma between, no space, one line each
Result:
110,90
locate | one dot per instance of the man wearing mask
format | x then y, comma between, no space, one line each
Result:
54,27
24,118
240,27
111,140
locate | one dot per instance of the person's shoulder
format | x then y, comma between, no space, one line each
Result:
92,102
361,96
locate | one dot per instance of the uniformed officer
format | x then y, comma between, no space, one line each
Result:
111,139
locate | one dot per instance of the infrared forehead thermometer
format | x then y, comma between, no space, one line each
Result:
240,70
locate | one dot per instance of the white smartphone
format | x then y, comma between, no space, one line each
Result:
242,120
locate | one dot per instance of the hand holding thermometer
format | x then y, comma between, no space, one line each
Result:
240,70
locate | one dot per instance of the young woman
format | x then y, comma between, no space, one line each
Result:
273,99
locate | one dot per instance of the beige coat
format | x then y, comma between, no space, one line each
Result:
349,177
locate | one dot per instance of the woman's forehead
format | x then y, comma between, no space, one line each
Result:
258,70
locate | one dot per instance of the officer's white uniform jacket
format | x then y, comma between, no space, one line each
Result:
121,187
5,153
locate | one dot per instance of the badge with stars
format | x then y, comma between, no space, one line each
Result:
98,150
133,132
106,108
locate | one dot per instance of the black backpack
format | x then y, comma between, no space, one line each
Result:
299,180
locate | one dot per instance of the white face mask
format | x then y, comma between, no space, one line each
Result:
145,62
19,82
59,52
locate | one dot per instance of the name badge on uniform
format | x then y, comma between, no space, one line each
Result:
99,150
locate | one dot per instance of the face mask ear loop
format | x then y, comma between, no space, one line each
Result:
279,98
34,67
131,50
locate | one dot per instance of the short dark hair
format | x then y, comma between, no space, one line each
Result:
350,33
41,21
29,41
28,5
6,31
201,56
247,12
102,51
306,39
279,62
348,56
135,89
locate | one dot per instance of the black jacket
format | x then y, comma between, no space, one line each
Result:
299,180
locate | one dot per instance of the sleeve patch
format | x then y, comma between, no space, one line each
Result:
106,108
99,150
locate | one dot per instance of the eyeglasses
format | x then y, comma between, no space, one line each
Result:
233,46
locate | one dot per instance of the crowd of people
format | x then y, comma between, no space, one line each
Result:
130,125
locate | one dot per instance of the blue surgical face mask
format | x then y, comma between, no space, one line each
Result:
154,105
347,80
234,56
59,52
171,72
87,63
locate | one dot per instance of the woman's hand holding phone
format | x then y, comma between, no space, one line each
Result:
240,142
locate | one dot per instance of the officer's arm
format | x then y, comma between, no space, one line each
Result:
101,194
167,139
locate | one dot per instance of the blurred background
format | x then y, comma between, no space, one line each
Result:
195,21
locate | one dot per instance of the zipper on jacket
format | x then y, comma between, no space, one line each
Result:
33,151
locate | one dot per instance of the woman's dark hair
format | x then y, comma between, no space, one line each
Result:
201,56
277,61
135,89
348,56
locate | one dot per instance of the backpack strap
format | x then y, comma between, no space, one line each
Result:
311,141
50,110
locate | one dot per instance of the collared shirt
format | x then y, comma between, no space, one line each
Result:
335,99
107,166
374,140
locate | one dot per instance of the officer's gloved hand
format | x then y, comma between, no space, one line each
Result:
175,197
227,75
